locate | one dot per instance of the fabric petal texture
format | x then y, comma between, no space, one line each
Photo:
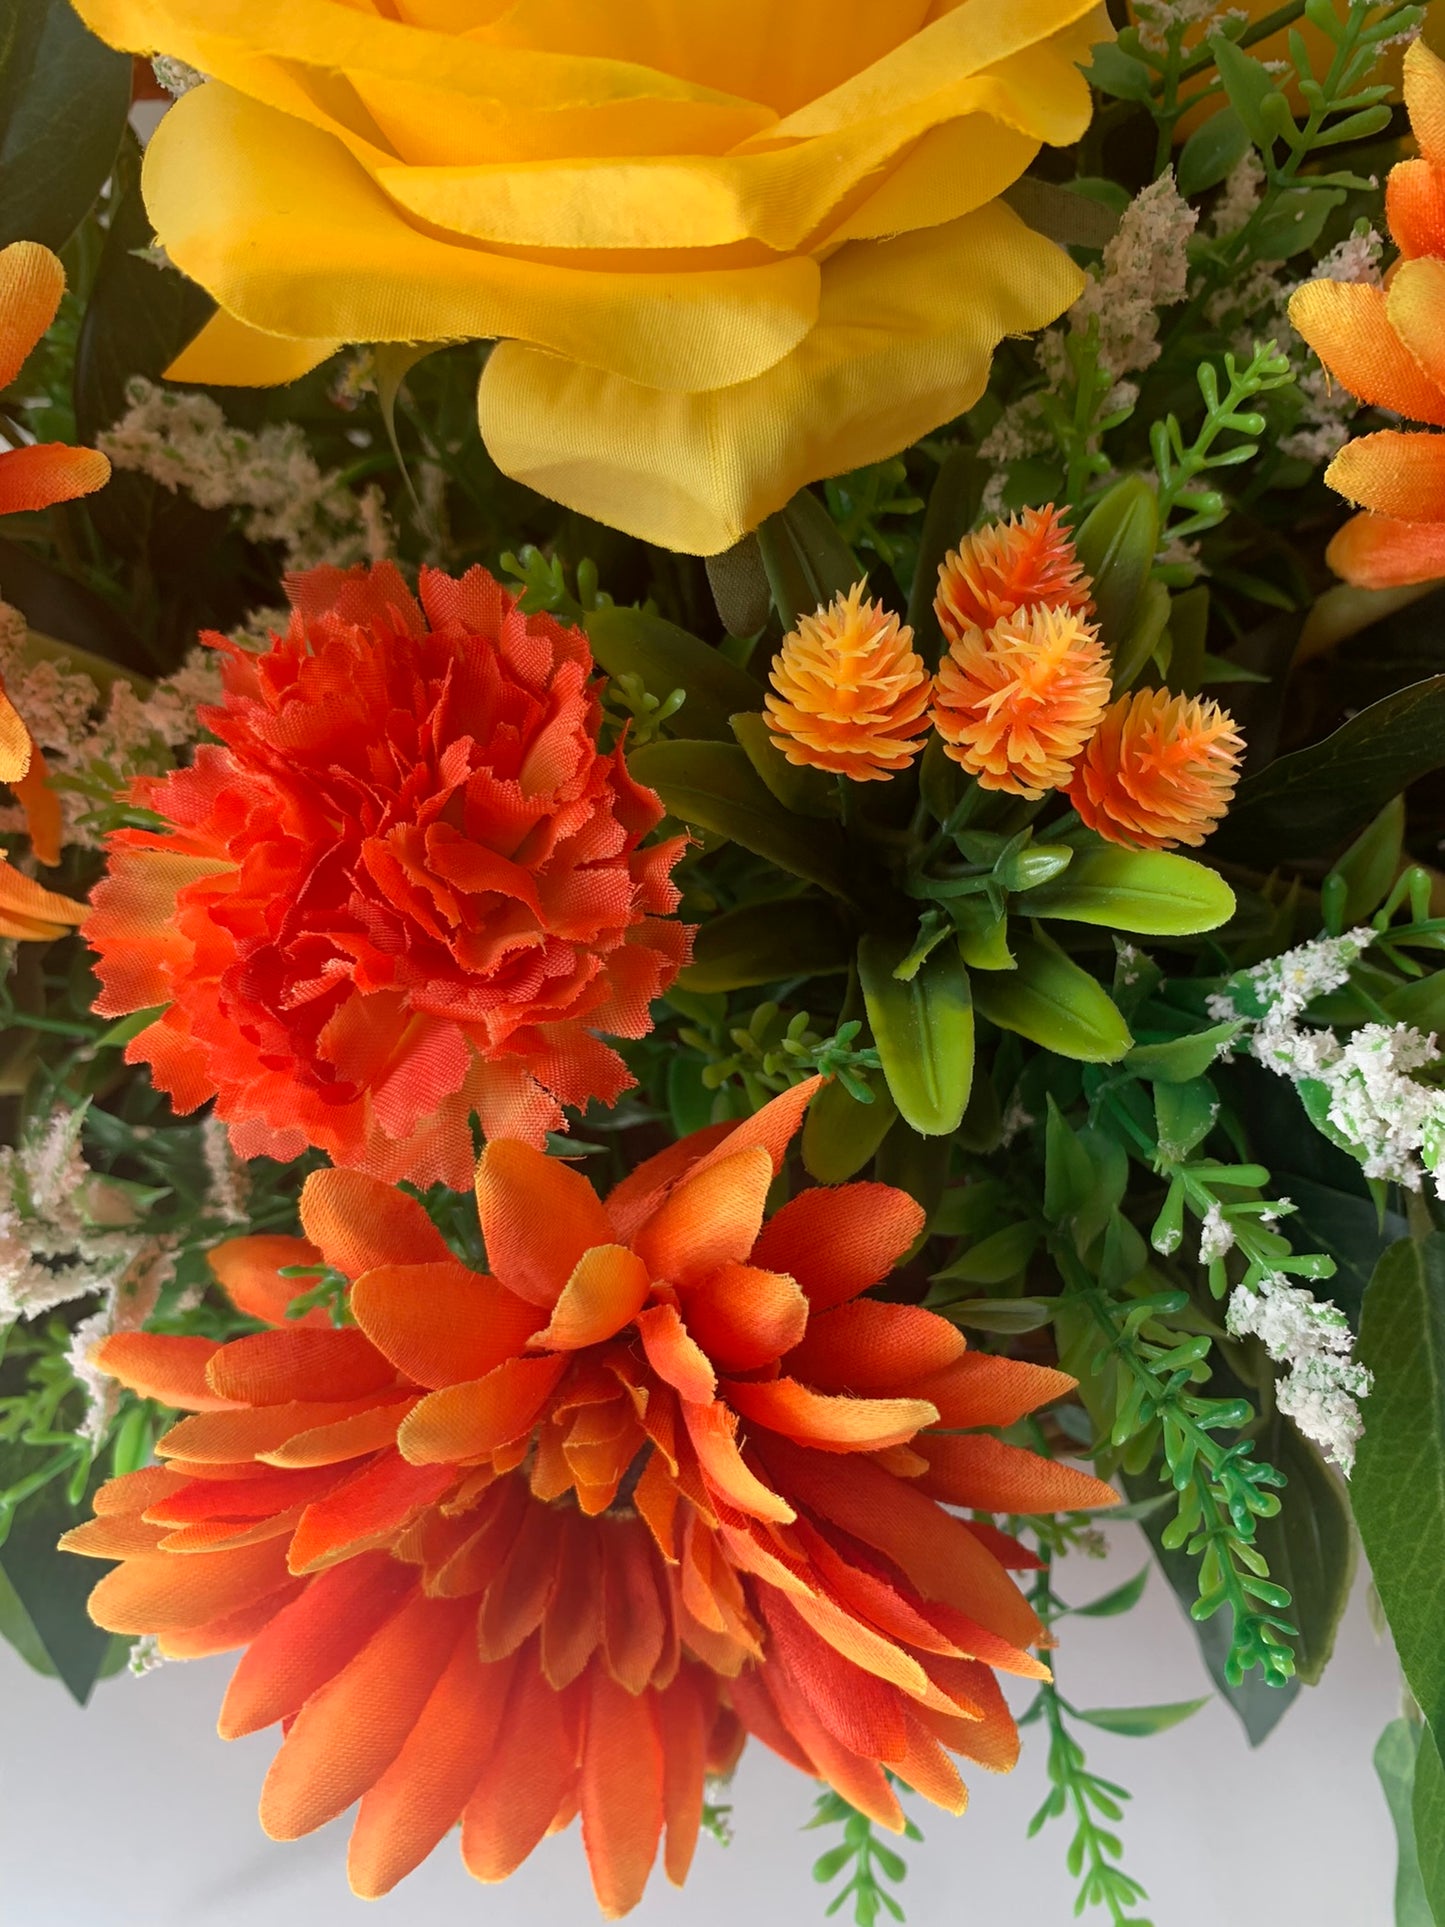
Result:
575,1581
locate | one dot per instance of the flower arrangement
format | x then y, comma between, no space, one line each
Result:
717,884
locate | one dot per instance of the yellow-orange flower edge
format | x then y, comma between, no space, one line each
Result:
1015,703
850,695
1161,770
1010,566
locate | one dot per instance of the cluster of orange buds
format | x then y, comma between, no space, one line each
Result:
1021,700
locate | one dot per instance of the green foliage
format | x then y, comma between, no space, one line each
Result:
861,1860
63,102
1396,1762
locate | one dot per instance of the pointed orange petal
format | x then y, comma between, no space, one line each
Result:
631,1202
1413,303
249,1272
633,1625
1415,208
1393,474
163,1591
711,1218
992,1741
358,1223
270,1368
861,1782
41,805
24,901
1347,325
31,284
605,1292
869,1347
137,1491
622,1784
237,1432
518,1596
120,1535
713,1431
927,1768
368,1430
464,1421
1378,552
168,1369
744,1318
826,1423
773,1128
230,1630
15,745
985,1475
351,1729
862,1712
674,1355
531,1773
979,1390
1425,99
538,1218
43,473
838,1241
572,1626
441,1324
376,1503
683,1721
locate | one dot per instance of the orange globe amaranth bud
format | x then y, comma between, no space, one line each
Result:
1160,770
1015,703
1007,567
851,695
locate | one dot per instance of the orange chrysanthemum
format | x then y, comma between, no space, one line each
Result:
851,694
1160,771
1015,703
1384,344
407,886
1010,566
665,1473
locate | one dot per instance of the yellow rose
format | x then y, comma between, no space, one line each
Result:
727,246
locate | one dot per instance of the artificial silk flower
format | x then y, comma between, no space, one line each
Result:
1383,343
850,694
1159,771
405,887
728,247
1007,566
664,1475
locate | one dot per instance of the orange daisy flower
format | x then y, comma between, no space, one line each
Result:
406,887
1384,345
851,693
547,1540
1010,566
1016,702
1160,771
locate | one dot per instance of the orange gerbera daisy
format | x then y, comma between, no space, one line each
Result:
851,693
1384,344
1016,702
406,887
542,1540
1010,566
1161,770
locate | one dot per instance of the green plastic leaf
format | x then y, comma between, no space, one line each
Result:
1212,152
1398,1487
1051,1001
64,96
1248,85
806,792
1004,1317
806,559
664,658
1122,1599
1428,1812
1306,804
994,1259
1068,1169
52,1587
1142,641
1420,1002
1396,1756
766,943
1149,892
1138,1722
952,508
1184,1114
714,787
840,1135
1182,1059
1116,544
923,1030
1365,872
1295,221
1114,72
915,1164
1309,1543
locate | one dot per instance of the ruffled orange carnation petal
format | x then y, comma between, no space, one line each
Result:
1160,771
1010,566
1015,703
1379,552
849,695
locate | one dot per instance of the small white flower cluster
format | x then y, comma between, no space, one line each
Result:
1312,1337
1240,196
1280,988
1216,1235
227,1183
65,1232
174,75
1157,17
271,478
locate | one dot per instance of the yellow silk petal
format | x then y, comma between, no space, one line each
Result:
906,332
289,234
226,351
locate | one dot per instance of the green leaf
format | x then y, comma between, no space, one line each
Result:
1248,85
1182,1059
1149,892
1363,875
1138,1722
1428,1813
1068,1169
1185,1115
1142,639
994,1259
665,658
1051,1001
1062,212
1122,1599
1116,544
766,943
1306,804
1212,152
1005,1317
1114,72
1295,221
1420,1002
806,792
806,559
923,1030
64,96
1396,1755
840,1135
1309,1543
952,507
689,1101
1398,1488
739,585
52,1587
714,787
915,1164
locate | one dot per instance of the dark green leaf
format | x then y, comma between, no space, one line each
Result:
740,587
806,792
1309,1543
923,1029
1248,85
1051,1001
64,96
952,507
664,657
53,1586
994,1259
1116,544
1295,221
1122,1599
766,943
807,560
1149,892
1114,72
1185,1114
1367,869
1005,1317
1183,1059
1211,152
1068,1169
1138,1722
1395,1761
1428,1813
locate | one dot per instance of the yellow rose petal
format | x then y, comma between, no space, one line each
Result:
226,351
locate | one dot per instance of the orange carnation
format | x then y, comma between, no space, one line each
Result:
406,887
852,696
1015,703
1384,344
546,1540
1010,566
1160,771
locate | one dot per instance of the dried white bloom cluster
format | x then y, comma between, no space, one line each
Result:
271,478
1313,1338
1157,17
1276,992
1240,195
227,1184
1216,1235
174,75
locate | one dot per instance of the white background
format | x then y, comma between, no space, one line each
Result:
133,1812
